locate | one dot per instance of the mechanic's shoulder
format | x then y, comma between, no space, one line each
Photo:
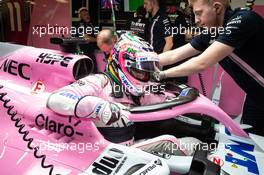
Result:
164,16
244,15
164,19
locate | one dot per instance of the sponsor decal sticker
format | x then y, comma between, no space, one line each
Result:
49,58
38,87
217,160
242,149
47,123
15,68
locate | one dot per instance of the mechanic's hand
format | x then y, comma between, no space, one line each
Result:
159,75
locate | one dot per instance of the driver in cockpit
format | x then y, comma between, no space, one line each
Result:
126,82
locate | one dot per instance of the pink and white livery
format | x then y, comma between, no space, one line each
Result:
51,109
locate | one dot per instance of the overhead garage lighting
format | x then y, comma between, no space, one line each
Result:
62,1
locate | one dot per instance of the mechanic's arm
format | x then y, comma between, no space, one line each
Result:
176,55
168,44
213,54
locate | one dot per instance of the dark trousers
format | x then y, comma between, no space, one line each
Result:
253,114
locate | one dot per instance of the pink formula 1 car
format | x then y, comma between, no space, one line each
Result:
37,141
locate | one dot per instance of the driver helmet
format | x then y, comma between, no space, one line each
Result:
132,63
